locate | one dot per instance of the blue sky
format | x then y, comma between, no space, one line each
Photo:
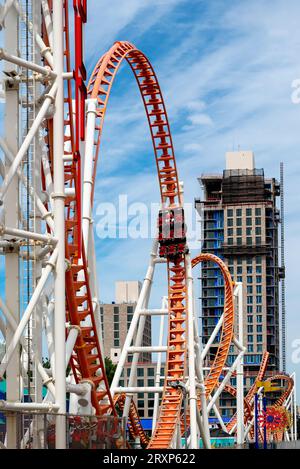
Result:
226,70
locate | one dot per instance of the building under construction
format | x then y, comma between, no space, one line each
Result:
240,224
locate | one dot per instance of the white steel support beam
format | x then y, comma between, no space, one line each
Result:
158,364
238,297
59,226
15,340
45,51
11,208
202,420
27,141
224,382
34,196
48,21
191,356
14,59
88,171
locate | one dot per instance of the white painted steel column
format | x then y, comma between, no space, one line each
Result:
88,170
191,356
158,364
11,207
238,296
59,226
204,427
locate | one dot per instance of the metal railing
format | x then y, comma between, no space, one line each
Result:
36,430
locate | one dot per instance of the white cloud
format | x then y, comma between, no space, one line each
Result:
200,119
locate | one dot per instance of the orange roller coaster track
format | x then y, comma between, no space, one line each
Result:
86,365
212,379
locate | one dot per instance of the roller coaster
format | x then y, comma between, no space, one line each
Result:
53,134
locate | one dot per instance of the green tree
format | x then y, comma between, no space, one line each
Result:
110,369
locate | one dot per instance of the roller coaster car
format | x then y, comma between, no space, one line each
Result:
171,232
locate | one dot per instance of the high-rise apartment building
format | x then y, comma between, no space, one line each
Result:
240,224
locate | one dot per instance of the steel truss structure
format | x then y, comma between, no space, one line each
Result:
51,147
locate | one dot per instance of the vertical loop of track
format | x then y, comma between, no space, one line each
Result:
99,88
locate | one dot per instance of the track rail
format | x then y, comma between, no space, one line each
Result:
250,395
212,379
99,88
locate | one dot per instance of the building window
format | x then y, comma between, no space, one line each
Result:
238,222
230,232
249,270
250,348
250,338
259,318
239,270
140,371
248,231
249,279
140,382
116,327
230,222
249,300
248,221
249,241
150,371
258,269
248,212
258,289
259,299
259,338
230,241
259,348
150,382
238,212
229,212
258,308
250,319
249,289
129,316
239,231
258,259
259,328
258,279
249,309
250,328
257,220
258,230
257,212
258,240
239,241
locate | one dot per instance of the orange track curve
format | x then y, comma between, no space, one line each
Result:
212,379
99,88
251,392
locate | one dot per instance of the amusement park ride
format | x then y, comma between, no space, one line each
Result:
52,141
